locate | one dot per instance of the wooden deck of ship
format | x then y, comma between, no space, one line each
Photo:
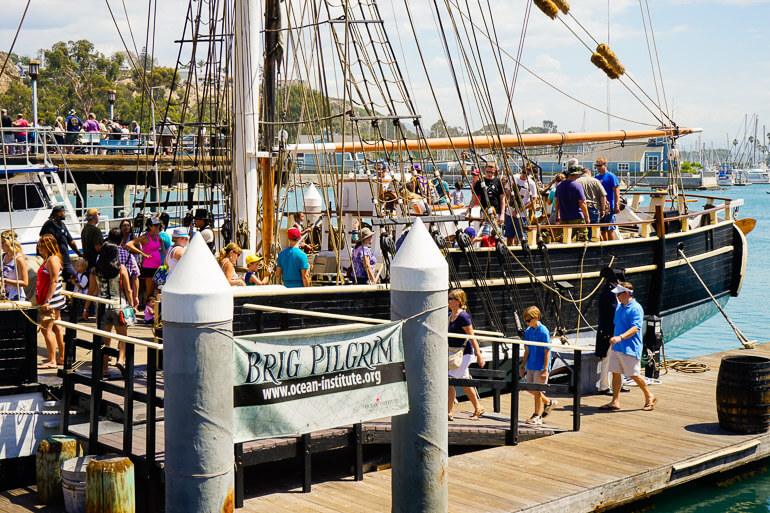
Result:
617,457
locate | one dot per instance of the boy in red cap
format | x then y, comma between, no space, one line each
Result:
292,265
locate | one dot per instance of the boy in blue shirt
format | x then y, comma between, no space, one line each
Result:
536,364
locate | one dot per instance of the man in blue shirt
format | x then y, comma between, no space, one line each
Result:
612,187
74,125
626,351
570,203
292,263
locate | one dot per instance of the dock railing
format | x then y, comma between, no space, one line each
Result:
98,386
496,378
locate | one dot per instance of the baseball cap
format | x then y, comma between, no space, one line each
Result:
294,233
470,231
253,258
620,289
91,213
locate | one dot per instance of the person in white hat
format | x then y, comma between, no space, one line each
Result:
179,239
626,350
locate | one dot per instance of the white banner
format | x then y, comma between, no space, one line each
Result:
295,383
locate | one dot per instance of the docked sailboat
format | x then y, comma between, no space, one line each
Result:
377,122
328,73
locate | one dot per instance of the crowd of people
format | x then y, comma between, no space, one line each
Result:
123,268
85,135
575,197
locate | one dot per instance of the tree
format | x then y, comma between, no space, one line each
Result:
548,128
437,130
492,129
81,73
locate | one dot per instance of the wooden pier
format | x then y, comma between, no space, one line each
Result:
617,457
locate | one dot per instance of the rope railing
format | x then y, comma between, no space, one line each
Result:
110,335
490,336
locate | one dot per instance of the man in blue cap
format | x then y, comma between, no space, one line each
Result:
626,351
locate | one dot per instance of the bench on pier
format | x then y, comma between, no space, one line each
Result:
119,145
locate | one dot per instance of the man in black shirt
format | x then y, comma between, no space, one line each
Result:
489,193
56,227
7,123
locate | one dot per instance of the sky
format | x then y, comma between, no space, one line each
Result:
714,57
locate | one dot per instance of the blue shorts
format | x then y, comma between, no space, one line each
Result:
593,215
514,227
609,218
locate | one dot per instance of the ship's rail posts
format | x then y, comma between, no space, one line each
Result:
125,387
672,221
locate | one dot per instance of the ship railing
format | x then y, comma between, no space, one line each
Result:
97,385
37,139
660,223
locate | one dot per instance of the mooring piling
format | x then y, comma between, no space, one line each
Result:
198,362
419,277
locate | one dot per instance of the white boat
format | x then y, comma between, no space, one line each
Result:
758,175
725,176
28,192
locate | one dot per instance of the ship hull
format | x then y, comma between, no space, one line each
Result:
664,284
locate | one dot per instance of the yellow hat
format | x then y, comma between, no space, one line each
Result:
253,258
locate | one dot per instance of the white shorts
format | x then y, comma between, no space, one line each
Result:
462,371
534,376
625,364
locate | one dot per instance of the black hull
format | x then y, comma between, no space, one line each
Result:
663,283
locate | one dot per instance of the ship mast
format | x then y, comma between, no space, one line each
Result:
246,106
272,26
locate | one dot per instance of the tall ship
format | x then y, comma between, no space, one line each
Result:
305,107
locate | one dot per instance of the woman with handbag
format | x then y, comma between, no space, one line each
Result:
460,323
109,280
49,297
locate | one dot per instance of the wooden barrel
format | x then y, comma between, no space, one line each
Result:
743,394
51,453
110,485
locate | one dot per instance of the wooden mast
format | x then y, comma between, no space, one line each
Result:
503,141
272,25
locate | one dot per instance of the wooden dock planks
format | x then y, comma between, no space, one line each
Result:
616,457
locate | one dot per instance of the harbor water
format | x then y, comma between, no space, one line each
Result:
748,493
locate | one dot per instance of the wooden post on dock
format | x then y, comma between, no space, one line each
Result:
419,277
198,370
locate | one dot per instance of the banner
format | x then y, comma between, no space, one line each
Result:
295,383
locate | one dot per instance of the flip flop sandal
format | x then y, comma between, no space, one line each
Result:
650,406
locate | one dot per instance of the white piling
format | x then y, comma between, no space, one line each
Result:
419,451
197,307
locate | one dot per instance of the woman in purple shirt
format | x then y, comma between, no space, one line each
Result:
460,323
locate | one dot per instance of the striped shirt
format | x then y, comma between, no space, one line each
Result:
57,301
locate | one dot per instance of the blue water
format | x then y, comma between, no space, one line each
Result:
750,494
748,309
